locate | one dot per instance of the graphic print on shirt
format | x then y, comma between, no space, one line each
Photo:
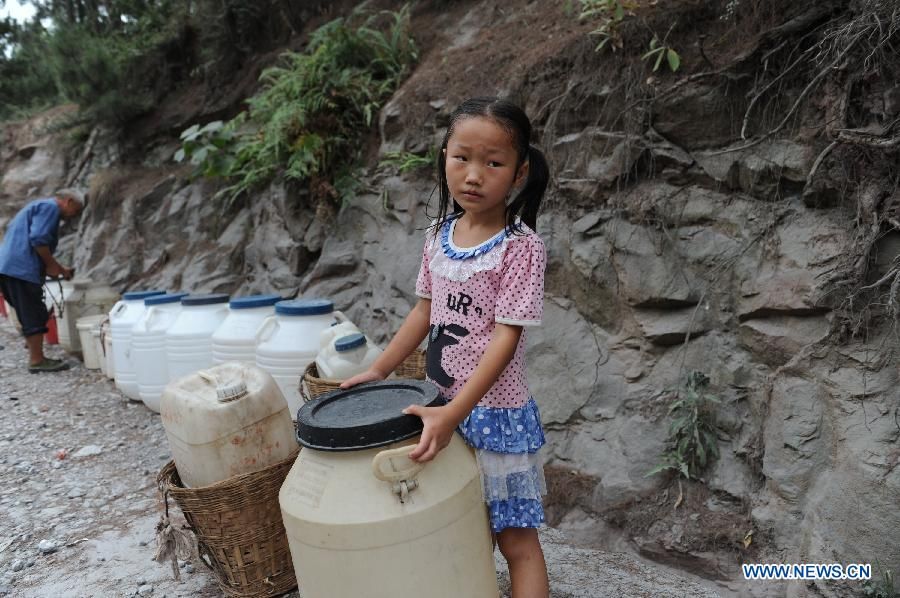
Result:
461,302
439,337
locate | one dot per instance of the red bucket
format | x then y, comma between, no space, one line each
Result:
52,336
3,307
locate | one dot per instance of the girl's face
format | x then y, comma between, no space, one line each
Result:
481,167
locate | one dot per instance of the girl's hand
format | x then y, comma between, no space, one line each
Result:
369,375
439,425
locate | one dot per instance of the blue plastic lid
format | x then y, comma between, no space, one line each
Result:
206,299
254,301
140,295
304,307
163,299
350,342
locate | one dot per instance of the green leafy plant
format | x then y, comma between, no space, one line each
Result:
308,120
207,148
882,587
692,443
610,14
659,50
408,161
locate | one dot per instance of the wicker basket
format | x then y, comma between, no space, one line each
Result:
413,366
311,386
239,531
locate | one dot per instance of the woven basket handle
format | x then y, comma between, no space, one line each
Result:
305,393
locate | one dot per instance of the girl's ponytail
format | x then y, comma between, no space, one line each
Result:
528,200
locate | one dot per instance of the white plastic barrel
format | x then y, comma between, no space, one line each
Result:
122,319
346,357
189,338
364,520
148,346
289,341
89,350
236,337
224,421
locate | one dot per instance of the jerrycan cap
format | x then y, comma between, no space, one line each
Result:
365,416
231,391
349,342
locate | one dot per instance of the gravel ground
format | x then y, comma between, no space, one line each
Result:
79,505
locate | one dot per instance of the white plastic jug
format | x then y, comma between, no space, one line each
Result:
289,341
236,337
346,357
224,421
122,319
363,520
336,331
89,351
189,338
148,346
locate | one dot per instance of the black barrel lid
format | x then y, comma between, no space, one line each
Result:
365,416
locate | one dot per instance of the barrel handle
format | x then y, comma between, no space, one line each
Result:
340,317
265,332
395,475
122,306
401,481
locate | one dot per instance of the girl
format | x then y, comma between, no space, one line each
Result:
480,284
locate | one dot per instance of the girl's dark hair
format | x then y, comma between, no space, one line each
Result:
513,119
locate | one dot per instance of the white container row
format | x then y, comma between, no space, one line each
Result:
160,338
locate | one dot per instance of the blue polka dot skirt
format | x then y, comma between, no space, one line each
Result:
506,443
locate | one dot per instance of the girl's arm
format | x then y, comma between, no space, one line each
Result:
410,336
440,422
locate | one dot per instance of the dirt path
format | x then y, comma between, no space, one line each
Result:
94,513
83,525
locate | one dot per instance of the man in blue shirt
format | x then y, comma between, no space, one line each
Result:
26,256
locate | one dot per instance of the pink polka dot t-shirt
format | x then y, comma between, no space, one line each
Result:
471,290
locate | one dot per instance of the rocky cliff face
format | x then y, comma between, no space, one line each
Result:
672,248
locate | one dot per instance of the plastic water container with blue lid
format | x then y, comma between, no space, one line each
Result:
148,346
189,338
124,315
236,337
346,357
289,342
